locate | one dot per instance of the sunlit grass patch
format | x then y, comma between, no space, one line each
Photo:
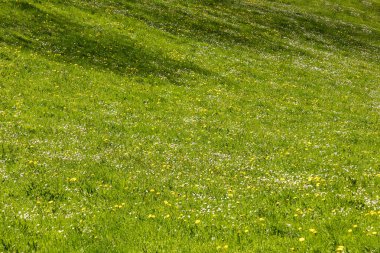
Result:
165,126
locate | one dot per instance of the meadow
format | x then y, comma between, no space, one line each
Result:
189,126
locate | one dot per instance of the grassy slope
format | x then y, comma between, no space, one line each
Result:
122,123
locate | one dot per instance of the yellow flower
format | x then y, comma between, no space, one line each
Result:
349,231
152,216
73,179
31,162
197,221
301,239
340,248
225,246
312,230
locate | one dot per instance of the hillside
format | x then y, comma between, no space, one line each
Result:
189,126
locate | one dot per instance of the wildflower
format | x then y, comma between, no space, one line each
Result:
197,221
225,246
302,239
73,179
312,230
151,216
349,231
340,248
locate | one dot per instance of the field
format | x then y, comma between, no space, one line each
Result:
189,126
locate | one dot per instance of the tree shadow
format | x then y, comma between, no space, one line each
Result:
61,39
256,26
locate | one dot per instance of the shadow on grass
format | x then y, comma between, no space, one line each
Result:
256,26
61,39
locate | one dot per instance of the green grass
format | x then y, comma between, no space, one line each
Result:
189,126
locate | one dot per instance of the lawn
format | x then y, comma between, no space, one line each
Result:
189,126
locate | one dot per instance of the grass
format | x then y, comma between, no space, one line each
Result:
189,126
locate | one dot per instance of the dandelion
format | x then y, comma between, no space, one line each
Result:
312,230
31,162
